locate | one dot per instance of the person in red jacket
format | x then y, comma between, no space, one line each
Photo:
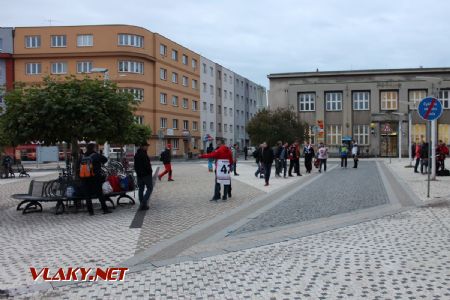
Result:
221,152
441,153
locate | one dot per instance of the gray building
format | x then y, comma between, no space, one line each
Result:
239,108
361,104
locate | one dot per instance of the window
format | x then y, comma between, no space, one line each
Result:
204,68
185,103
211,108
231,96
306,102
194,63
444,96
231,112
184,59
224,77
175,123
175,100
84,67
59,41
334,134
204,87
131,40
231,128
333,101
174,55
126,66
163,49
59,68
225,128
211,71
219,127
444,133
138,94
204,106
174,77
162,74
194,84
163,123
163,98
312,135
194,125
415,96
33,68
85,40
231,80
211,90
211,125
418,133
185,125
224,111
139,119
194,105
204,125
389,100
175,144
361,100
225,94
361,134
185,81
32,41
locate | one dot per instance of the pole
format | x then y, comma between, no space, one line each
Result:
400,139
433,150
409,137
428,166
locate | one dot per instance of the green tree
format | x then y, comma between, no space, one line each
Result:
276,125
71,110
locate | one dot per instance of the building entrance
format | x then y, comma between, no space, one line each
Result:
389,145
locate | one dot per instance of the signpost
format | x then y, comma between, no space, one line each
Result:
430,109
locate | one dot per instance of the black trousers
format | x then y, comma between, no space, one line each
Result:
308,164
294,164
283,166
344,162
355,161
417,164
323,162
93,189
267,170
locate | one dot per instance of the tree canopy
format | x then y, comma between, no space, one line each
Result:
276,125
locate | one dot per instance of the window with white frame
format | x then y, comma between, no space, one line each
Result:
444,96
129,66
225,110
333,101
312,135
58,41
361,134
194,84
389,100
185,125
231,112
306,101
204,125
211,89
163,49
32,41
85,40
194,105
361,100
33,68
174,77
204,87
225,77
175,144
194,125
139,119
175,123
138,94
84,66
175,100
185,81
194,63
184,59
59,68
185,103
211,108
174,55
204,68
225,94
211,125
204,106
225,128
334,134
163,123
131,40
163,98
162,74
415,96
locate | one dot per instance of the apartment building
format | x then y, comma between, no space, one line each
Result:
361,104
208,101
6,63
227,80
163,75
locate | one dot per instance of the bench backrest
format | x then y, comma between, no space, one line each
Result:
37,188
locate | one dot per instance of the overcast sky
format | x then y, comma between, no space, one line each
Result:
258,37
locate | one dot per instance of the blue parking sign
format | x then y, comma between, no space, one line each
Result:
430,109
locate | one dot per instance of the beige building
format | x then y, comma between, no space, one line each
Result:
361,104
163,75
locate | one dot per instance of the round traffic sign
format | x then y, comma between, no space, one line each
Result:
430,109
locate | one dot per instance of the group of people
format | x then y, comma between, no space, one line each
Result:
420,152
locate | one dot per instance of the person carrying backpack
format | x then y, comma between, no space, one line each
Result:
166,158
91,177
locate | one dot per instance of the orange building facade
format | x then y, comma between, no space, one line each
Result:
163,75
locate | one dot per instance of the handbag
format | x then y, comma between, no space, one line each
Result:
107,188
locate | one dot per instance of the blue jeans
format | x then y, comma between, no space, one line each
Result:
143,182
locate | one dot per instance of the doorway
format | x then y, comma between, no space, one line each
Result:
389,145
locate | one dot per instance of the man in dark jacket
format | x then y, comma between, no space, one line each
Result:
166,157
93,185
277,152
144,173
267,160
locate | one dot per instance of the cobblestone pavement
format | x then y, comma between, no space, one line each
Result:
335,192
404,256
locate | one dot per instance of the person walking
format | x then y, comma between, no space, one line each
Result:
91,177
322,155
166,158
6,163
441,153
221,152
424,158
417,152
210,160
283,158
355,154
308,153
245,152
294,157
257,155
277,152
144,172
234,152
343,152
267,157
